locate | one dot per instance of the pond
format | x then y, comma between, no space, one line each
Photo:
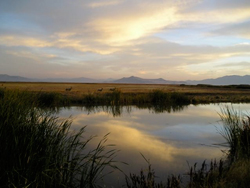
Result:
170,139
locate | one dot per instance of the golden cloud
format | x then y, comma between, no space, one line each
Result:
104,3
218,16
23,41
121,29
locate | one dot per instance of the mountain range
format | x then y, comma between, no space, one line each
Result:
225,80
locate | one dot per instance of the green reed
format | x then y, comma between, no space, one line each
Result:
40,150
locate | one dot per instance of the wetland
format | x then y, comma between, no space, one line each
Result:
60,138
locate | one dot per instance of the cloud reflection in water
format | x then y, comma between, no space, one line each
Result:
169,140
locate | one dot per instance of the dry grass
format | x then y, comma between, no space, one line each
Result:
83,88
197,94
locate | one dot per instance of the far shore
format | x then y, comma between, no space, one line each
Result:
197,93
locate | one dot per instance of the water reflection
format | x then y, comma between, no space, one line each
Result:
118,110
169,139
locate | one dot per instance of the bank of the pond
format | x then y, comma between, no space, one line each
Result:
155,97
66,94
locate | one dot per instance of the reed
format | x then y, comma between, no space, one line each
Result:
116,97
160,97
231,172
234,170
1,93
236,133
147,179
49,99
40,150
208,175
91,99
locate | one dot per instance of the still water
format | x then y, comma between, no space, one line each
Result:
169,138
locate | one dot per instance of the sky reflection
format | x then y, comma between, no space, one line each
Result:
168,140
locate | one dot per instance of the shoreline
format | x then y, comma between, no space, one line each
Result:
130,94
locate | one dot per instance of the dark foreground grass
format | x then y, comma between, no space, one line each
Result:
39,150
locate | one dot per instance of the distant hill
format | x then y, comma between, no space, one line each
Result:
225,80
7,78
137,80
75,80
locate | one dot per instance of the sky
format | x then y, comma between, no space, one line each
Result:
101,39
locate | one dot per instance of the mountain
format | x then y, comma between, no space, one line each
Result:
7,78
74,80
225,80
137,80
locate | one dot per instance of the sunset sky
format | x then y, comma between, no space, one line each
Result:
169,39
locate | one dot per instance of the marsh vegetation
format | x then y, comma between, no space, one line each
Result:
40,150
229,172
66,94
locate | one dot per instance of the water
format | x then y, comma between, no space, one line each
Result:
171,139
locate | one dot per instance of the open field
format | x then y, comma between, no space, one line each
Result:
84,88
201,93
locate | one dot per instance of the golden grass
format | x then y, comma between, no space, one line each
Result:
78,89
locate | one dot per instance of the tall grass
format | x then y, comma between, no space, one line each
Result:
230,172
147,179
50,99
155,97
39,150
236,133
160,97
234,170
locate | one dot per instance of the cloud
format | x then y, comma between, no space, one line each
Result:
23,41
141,142
151,57
128,27
236,64
132,37
238,29
223,11
99,4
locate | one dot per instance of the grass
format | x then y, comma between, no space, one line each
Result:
237,134
39,150
230,172
147,179
116,97
83,93
234,170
